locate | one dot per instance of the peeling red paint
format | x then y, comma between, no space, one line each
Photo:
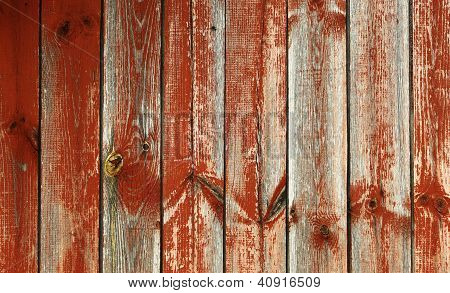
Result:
255,107
431,67
70,137
193,152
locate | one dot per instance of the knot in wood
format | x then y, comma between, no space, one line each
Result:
441,205
324,231
113,164
145,146
372,204
423,199
87,21
64,29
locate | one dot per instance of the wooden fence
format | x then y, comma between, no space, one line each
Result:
171,135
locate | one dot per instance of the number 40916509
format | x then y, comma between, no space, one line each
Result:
289,282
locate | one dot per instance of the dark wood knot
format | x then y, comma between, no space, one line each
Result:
372,204
423,199
145,146
325,231
441,205
64,29
87,21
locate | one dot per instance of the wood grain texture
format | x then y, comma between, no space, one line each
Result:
131,128
255,131
379,137
70,136
193,136
19,123
208,36
317,136
431,92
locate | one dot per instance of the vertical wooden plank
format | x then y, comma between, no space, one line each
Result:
255,136
208,61
431,91
131,136
379,137
178,232
317,136
193,136
70,136
19,114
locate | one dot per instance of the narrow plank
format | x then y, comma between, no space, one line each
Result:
317,136
131,136
255,136
431,92
70,136
208,61
193,136
19,123
379,137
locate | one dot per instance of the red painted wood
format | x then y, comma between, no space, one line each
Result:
380,206
177,145
192,182
131,128
255,130
19,116
70,136
431,92
208,58
317,136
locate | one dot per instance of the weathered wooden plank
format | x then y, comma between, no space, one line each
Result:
255,136
193,136
208,61
19,123
131,136
317,136
379,137
70,136
431,92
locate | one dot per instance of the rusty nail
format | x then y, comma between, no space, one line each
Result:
113,164
325,231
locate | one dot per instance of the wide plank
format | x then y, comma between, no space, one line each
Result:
131,136
70,136
380,214
19,135
193,136
431,93
317,136
255,136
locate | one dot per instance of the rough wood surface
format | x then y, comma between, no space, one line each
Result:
19,123
208,132
317,136
70,136
193,136
255,130
379,137
131,130
431,92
